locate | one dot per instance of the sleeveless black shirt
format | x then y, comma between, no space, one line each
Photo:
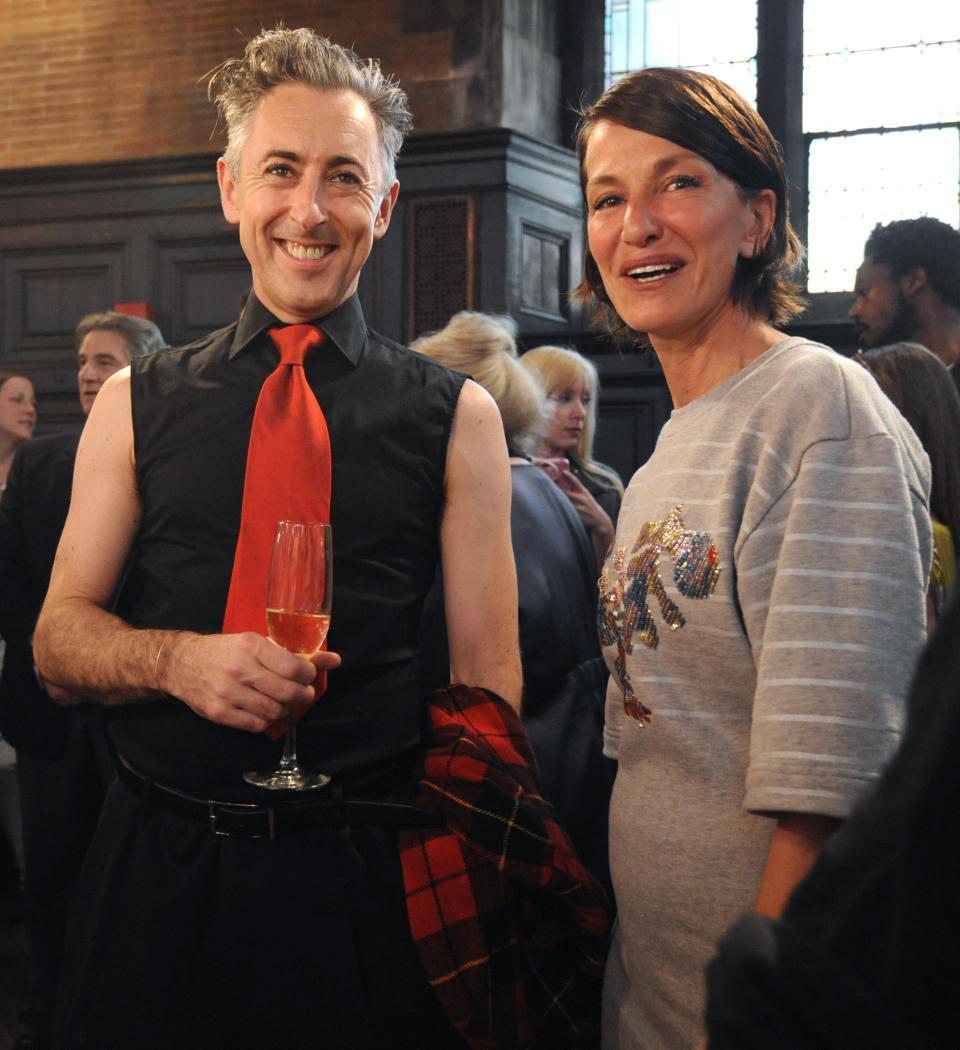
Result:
389,411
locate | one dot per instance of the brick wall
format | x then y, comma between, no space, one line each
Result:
86,81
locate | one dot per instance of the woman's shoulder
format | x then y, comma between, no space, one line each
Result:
808,388
801,365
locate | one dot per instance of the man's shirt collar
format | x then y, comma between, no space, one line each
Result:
344,327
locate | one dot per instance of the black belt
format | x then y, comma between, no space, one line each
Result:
257,820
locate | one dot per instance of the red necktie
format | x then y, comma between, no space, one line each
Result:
287,478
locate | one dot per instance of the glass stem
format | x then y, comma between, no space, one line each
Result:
289,759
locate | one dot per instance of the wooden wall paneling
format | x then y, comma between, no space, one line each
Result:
634,405
440,261
524,196
46,290
497,250
80,239
544,236
448,204
381,284
628,423
544,273
200,281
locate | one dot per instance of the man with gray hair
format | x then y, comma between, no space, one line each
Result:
63,761
211,913
107,342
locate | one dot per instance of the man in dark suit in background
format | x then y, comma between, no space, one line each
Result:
63,762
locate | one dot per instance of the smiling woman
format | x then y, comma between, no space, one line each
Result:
758,657
715,162
666,231
18,417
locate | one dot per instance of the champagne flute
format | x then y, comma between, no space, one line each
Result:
298,618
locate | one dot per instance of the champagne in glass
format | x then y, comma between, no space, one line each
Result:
298,632
298,618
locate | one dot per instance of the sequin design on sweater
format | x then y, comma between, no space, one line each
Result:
629,580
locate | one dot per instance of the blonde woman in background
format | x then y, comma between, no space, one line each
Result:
594,489
564,678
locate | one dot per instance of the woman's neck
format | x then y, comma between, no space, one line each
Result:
697,362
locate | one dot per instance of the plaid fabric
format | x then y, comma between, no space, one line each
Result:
511,928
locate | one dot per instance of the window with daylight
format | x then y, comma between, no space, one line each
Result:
881,114
880,105
720,39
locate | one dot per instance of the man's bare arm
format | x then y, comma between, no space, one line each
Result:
83,650
479,574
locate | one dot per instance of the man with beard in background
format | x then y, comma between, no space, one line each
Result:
908,288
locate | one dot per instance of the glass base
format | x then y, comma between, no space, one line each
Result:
293,779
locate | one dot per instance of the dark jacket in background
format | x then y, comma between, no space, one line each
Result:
564,676
32,515
865,955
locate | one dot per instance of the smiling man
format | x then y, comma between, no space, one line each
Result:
309,198
192,931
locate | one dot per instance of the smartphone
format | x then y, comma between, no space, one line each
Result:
556,469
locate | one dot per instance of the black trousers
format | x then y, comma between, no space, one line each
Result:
179,938
60,801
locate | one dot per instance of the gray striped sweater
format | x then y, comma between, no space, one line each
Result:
762,606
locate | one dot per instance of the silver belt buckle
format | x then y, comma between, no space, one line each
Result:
215,830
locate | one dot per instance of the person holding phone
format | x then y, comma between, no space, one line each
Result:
566,443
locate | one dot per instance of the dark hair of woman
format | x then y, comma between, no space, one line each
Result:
703,114
918,383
